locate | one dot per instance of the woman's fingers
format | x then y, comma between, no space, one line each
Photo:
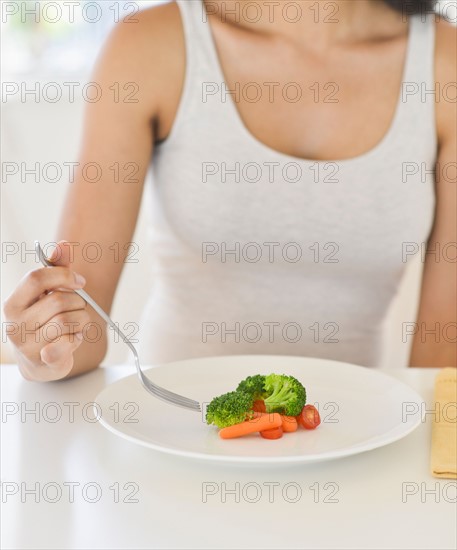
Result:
66,323
61,327
50,305
38,281
59,363
59,354
55,362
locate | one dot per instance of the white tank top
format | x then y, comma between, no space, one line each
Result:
256,251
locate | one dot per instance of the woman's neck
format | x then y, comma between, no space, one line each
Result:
314,24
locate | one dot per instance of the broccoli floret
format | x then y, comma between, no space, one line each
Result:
285,394
229,408
254,386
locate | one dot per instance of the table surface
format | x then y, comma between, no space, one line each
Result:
96,490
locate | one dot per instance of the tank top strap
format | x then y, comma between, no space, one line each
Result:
420,66
202,102
415,116
201,51
419,70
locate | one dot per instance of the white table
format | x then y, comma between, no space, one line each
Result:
381,499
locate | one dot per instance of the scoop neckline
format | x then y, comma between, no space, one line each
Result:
244,130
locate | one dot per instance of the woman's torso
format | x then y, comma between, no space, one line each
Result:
257,250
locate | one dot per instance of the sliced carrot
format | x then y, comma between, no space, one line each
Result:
275,433
289,423
259,406
263,422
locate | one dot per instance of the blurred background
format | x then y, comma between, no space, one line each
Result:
49,49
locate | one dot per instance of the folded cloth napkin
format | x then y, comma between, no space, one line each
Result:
444,428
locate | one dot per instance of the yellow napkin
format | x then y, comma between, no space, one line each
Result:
444,428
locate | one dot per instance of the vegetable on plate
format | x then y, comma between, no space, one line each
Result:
271,405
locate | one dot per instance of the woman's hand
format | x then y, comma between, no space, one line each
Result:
46,319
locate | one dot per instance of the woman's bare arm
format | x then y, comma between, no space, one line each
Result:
438,303
142,58
140,73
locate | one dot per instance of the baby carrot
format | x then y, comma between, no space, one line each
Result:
264,422
289,423
275,433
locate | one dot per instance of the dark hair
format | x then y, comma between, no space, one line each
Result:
411,7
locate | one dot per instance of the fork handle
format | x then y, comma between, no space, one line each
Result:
102,313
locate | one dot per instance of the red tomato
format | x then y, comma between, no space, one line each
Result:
259,406
274,433
309,417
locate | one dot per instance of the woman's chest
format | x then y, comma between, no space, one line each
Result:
321,107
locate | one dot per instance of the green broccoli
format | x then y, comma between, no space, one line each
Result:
254,386
229,408
286,394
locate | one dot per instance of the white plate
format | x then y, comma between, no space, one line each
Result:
361,409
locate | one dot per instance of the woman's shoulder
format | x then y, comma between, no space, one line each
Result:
155,35
148,49
150,25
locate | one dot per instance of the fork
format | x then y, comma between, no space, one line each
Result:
157,391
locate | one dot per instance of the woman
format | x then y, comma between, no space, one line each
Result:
292,157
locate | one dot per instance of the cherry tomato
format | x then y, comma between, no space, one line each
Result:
309,417
274,433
